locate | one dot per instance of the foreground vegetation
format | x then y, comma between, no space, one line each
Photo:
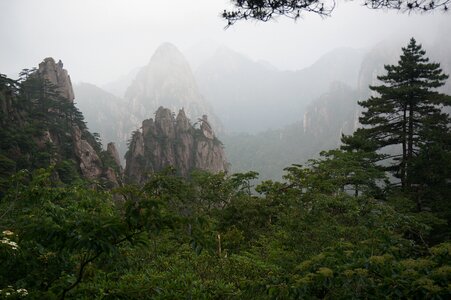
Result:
209,237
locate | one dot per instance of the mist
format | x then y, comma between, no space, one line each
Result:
279,91
99,41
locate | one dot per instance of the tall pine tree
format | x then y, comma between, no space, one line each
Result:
407,112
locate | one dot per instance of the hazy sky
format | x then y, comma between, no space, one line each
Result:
99,40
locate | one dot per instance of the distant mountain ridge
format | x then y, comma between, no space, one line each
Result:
328,116
252,96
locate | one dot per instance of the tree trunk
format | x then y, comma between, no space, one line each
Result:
404,148
409,148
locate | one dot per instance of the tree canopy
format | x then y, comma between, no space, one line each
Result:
265,10
406,111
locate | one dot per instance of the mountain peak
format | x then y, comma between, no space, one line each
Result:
54,72
168,81
166,46
167,53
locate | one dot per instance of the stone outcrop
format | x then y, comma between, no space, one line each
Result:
173,141
85,151
89,162
54,73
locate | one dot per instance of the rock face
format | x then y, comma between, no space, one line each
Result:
89,162
173,141
54,72
88,159
74,142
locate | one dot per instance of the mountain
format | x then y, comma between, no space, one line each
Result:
168,81
252,96
170,141
329,115
40,126
323,122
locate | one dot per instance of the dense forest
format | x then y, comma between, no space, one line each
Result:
368,220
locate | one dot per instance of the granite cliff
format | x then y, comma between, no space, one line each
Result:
42,127
173,141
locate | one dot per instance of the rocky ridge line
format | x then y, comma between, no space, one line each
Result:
173,141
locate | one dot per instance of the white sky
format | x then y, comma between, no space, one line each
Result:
99,40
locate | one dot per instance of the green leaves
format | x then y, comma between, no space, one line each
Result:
212,237
405,113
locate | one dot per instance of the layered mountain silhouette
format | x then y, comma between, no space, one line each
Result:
284,117
325,119
167,80
251,96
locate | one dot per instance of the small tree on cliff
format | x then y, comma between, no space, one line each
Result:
407,111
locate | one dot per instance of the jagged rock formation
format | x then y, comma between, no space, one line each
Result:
173,141
166,81
88,159
54,72
41,126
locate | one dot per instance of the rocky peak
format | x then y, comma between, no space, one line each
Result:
206,128
182,122
148,126
169,54
167,75
167,81
55,73
173,142
164,122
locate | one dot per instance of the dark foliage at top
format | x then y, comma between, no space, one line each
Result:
265,10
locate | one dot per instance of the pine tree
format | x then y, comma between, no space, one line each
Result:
406,112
